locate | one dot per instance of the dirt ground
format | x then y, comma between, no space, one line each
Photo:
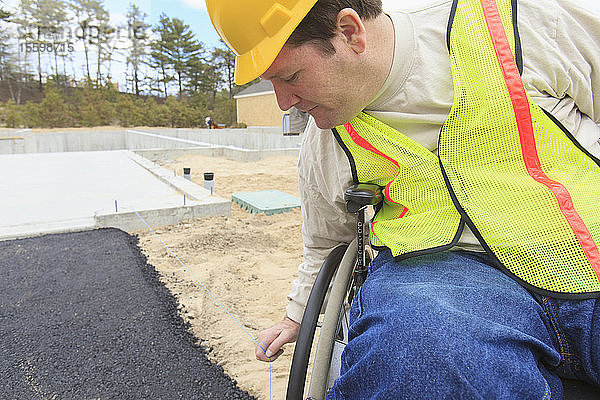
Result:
247,261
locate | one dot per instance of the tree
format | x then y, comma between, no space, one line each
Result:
102,39
41,19
136,21
92,19
159,54
95,105
224,61
201,76
13,65
176,48
52,111
13,115
4,15
4,45
56,16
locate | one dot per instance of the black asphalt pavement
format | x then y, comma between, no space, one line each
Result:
83,316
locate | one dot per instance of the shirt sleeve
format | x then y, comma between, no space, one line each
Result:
323,175
562,65
578,33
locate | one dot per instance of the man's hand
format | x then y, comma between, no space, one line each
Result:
270,340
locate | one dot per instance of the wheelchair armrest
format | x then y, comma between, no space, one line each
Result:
362,195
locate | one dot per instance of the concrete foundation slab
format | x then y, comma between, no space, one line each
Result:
238,144
62,192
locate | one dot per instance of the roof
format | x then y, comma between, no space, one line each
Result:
259,88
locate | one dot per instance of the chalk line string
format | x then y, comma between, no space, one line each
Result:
207,291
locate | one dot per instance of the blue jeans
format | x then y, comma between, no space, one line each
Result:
450,326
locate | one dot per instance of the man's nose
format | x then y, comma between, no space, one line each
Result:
285,98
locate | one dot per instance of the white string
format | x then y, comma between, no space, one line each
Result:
207,291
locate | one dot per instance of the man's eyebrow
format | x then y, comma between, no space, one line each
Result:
266,77
283,75
280,76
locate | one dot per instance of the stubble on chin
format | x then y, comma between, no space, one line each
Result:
327,120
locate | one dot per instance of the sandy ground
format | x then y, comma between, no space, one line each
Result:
247,261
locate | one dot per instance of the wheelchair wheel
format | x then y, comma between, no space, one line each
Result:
333,335
334,332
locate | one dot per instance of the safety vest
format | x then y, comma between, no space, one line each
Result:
528,191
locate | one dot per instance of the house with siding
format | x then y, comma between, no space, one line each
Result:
257,106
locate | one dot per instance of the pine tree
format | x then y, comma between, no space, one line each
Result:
136,20
92,19
40,19
4,45
102,40
223,61
13,64
55,13
159,56
4,15
176,48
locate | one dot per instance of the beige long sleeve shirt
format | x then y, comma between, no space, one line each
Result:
561,57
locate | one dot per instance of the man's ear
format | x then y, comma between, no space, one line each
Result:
352,29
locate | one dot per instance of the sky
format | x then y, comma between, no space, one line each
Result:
193,13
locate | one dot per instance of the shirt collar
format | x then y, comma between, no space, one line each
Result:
404,54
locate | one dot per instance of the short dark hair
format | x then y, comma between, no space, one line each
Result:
318,26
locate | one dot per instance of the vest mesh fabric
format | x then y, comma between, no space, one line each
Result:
518,217
415,193
527,226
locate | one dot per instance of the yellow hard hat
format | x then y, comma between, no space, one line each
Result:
256,30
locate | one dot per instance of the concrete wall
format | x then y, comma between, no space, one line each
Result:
259,139
162,155
260,110
58,142
251,139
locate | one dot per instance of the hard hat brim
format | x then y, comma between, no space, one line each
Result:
250,66
254,63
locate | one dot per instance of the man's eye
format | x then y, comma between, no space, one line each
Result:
293,78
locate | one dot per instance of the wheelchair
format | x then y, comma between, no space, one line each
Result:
346,267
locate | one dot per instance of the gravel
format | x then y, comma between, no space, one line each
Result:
83,316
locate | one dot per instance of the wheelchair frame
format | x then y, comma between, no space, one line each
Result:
348,263
335,311
333,335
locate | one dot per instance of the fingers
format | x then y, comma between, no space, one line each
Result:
271,340
261,350
265,340
283,338
276,355
261,356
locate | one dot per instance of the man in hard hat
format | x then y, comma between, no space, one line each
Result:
478,118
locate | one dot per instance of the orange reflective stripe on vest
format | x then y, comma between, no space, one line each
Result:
526,189
362,142
415,193
525,126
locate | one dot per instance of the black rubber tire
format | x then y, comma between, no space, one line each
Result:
296,382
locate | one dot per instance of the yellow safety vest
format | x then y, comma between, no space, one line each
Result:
528,191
